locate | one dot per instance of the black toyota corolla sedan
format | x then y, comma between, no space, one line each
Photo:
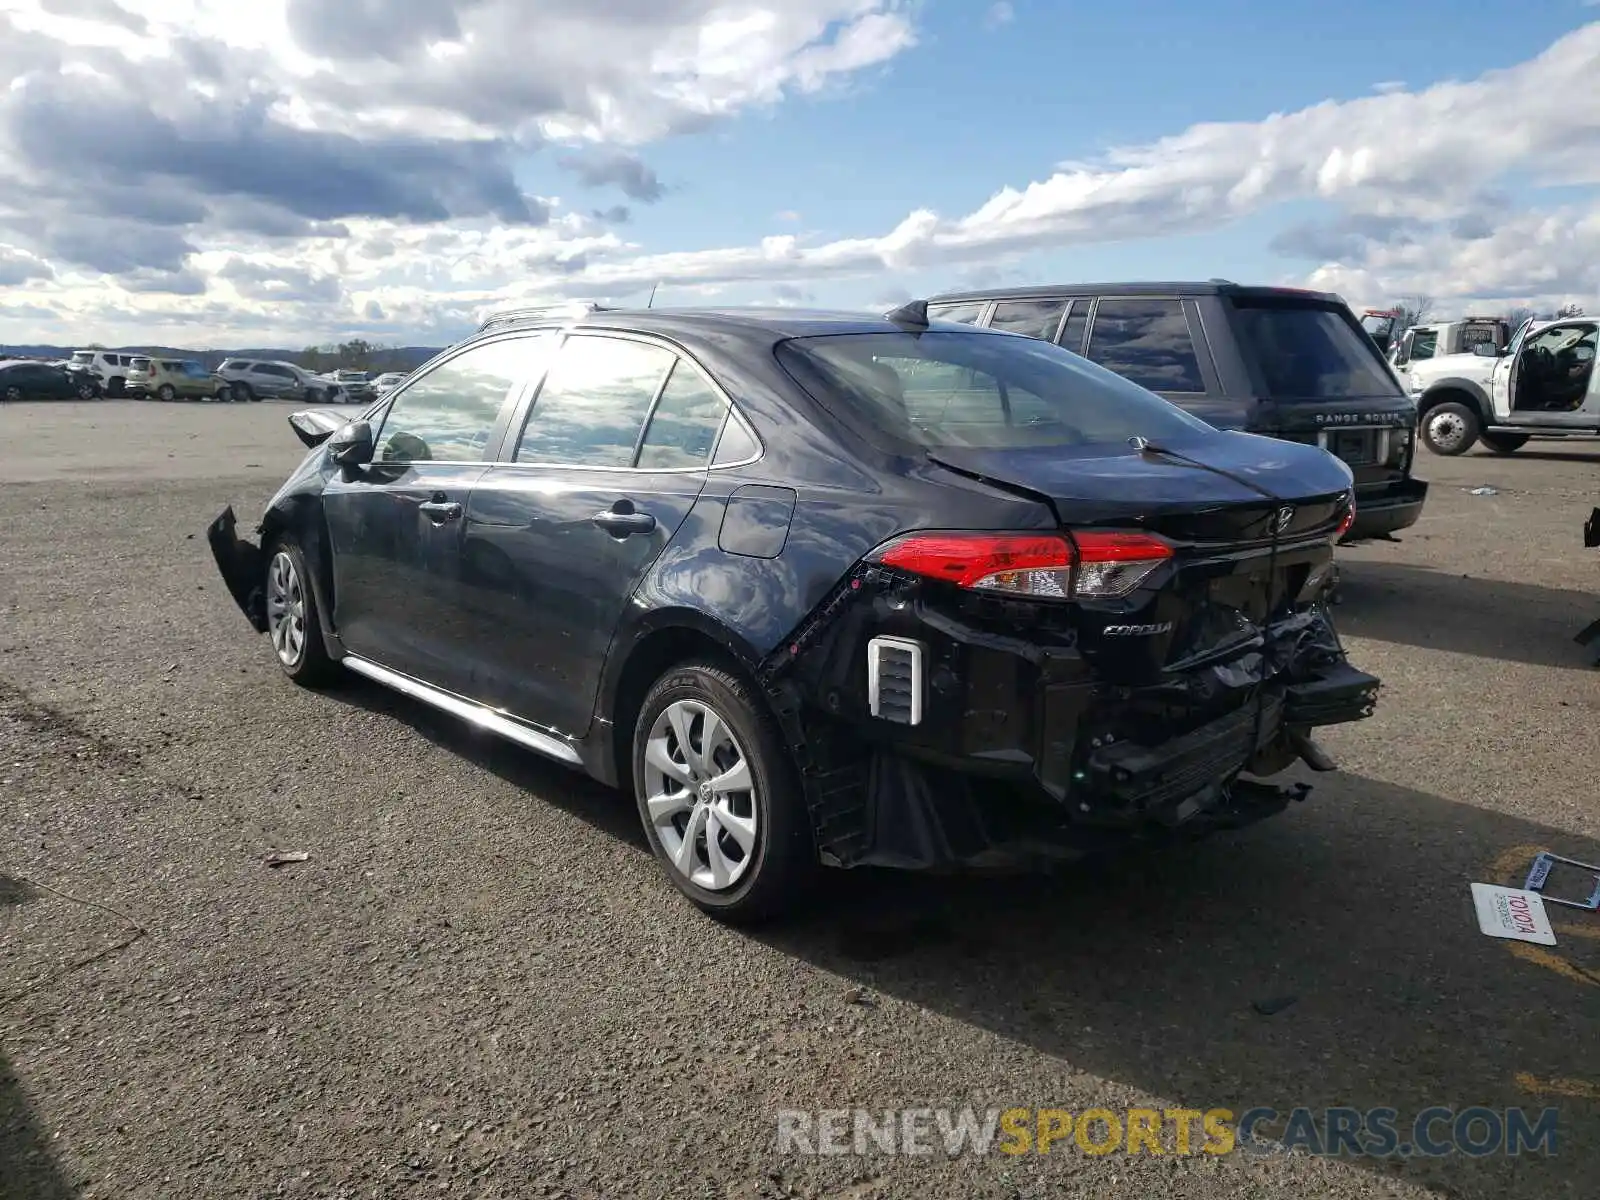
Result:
822,588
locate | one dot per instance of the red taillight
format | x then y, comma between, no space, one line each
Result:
1090,564
1349,517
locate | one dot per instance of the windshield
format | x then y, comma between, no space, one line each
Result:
1309,352
977,390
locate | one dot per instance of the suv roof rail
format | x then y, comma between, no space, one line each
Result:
521,312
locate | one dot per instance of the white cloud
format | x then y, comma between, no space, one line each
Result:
361,179
1001,12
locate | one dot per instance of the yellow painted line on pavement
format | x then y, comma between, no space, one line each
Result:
1553,962
1578,1089
1513,863
1578,931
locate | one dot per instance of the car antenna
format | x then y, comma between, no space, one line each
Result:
650,303
913,314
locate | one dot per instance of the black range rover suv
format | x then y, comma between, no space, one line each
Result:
1282,362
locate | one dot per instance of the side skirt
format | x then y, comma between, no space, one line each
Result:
485,718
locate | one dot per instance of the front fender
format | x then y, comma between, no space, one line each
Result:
1434,394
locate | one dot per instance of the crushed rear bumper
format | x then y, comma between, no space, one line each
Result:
1024,751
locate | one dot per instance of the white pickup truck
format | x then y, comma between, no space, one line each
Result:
1543,383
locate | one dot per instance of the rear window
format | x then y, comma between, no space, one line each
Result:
139,364
83,356
976,390
1309,352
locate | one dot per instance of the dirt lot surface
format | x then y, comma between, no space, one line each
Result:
479,984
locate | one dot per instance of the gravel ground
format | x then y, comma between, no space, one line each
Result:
479,984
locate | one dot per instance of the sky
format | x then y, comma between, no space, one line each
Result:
216,173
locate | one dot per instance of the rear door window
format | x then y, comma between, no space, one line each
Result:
1309,351
1036,318
1147,342
592,406
684,426
1077,325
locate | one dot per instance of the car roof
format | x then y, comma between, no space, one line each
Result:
1183,287
752,325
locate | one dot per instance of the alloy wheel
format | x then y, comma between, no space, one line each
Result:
700,795
13,394
286,609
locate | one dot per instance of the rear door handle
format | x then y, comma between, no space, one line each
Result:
619,524
440,511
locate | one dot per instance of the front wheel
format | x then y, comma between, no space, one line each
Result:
719,796
313,396
1504,443
13,394
87,391
1450,429
292,619
166,392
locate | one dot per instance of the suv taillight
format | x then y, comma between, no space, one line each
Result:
1083,564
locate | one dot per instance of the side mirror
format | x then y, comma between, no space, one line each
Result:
1487,350
352,446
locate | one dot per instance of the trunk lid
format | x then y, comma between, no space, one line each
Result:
1241,560
1219,501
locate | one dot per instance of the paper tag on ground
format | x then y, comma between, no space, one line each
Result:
1512,913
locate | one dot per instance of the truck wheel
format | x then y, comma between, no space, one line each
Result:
1504,443
719,795
1450,429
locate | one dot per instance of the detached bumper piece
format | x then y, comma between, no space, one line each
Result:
242,565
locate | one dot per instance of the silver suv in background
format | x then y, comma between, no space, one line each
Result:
257,379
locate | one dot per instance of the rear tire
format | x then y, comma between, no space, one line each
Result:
1504,443
293,625
719,795
1450,428
166,392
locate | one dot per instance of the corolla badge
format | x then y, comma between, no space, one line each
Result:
1136,630
1282,519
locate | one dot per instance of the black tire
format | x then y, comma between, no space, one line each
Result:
241,391
116,387
1503,443
166,392
1450,428
313,396
310,665
13,394
223,394
782,863
87,391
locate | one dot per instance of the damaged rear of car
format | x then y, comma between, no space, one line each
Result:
975,695
824,588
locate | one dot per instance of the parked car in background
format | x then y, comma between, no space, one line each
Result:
1544,384
257,379
350,387
1291,364
21,379
174,379
823,587
388,381
107,369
